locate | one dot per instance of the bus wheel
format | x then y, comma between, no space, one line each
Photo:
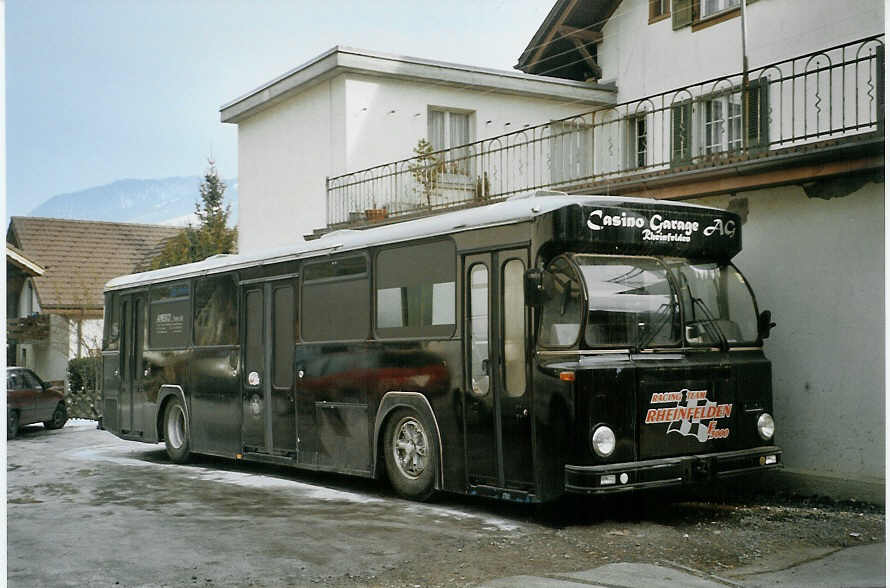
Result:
411,454
176,432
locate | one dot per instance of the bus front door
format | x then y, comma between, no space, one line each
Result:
132,390
497,396
269,408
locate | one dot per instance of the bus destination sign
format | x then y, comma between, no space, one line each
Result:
696,232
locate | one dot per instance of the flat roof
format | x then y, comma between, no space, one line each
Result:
342,59
511,211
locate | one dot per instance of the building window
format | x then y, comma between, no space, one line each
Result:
711,7
681,132
637,141
722,124
449,129
659,9
571,151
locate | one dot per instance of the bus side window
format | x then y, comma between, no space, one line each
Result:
336,300
112,322
216,311
170,315
416,290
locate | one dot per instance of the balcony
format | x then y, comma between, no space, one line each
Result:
730,133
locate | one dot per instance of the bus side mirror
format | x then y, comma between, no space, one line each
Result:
534,287
765,324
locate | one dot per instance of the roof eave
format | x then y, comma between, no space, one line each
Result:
344,60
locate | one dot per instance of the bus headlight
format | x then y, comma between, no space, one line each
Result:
766,426
603,441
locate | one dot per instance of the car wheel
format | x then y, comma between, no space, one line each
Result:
411,454
176,432
12,424
60,417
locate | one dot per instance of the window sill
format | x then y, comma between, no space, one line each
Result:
716,18
659,18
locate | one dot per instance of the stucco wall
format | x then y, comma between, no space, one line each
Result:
385,117
284,154
346,124
819,266
646,59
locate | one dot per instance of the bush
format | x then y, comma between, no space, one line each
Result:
83,374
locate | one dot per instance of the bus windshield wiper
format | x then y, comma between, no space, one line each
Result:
662,315
710,322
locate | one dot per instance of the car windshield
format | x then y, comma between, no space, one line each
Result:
716,303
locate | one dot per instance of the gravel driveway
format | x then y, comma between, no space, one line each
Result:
85,508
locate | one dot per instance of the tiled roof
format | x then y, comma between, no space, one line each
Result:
80,256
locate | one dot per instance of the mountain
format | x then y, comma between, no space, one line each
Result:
164,201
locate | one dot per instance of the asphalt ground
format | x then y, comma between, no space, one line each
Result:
87,509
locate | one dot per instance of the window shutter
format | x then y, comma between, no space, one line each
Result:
681,133
682,13
758,114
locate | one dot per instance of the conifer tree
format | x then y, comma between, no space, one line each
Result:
212,236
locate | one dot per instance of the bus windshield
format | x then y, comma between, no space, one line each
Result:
630,302
636,302
716,302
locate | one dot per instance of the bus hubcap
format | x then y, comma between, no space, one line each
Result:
176,427
410,447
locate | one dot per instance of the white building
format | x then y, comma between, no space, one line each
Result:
349,109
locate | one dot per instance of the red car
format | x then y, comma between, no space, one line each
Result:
29,400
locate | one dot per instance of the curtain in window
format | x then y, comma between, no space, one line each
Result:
437,129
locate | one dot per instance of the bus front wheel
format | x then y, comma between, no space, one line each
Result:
176,431
411,454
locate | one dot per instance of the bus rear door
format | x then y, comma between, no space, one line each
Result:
268,406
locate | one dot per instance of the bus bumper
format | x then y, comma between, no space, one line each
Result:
669,471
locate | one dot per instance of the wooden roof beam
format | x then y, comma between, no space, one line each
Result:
587,35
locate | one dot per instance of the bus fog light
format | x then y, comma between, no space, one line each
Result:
623,478
603,439
769,460
608,480
766,426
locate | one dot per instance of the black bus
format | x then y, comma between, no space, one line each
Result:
519,350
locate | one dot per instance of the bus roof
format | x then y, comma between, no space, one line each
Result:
510,211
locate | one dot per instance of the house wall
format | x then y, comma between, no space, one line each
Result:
819,267
349,123
48,359
385,118
284,154
646,59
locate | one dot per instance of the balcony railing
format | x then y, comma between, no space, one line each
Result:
836,94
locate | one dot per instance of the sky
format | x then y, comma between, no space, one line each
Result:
98,91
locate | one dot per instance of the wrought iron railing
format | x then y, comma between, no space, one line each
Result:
833,94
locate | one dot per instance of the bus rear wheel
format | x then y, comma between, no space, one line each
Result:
411,454
176,431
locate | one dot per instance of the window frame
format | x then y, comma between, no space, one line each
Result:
375,288
665,13
150,301
582,293
365,276
234,278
